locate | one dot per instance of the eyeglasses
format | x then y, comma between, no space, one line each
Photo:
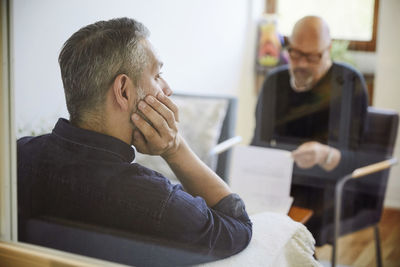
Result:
310,57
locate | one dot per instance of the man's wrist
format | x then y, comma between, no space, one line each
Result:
331,159
175,150
329,156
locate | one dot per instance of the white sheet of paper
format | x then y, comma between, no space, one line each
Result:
262,177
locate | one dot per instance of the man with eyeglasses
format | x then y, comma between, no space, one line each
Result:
316,108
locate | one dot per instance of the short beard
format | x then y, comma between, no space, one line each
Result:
301,79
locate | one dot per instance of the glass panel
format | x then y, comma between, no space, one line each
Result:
79,183
81,186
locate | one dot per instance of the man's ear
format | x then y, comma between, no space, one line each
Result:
122,91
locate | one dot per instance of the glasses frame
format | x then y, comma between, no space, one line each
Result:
307,56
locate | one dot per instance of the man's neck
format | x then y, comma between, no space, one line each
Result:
324,73
112,128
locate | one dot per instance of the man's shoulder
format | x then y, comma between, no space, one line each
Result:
28,143
345,69
24,140
277,77
27,139
279,71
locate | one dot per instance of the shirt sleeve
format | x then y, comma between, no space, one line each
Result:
265,112
219,232
232,205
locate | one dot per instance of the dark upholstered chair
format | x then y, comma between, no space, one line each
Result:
122,247
377,147
108,244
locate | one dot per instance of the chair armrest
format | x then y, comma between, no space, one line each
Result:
225,145
372,168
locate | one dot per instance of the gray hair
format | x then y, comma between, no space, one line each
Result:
93,56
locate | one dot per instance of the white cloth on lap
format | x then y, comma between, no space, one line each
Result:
277,241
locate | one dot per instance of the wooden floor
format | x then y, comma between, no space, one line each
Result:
358,249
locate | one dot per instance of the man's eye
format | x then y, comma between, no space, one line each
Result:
158,76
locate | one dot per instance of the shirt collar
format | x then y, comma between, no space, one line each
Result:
65,130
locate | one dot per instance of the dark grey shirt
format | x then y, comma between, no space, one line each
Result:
88,177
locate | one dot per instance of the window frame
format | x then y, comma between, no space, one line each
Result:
8,202
370,46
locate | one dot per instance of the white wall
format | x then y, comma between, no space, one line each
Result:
387,83
204,45
247,97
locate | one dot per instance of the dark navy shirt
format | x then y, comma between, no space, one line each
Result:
333,112
88,177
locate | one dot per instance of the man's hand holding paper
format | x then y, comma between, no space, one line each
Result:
314,153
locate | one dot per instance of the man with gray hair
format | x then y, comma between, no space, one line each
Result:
83,171
316,108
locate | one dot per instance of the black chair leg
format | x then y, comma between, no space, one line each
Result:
378,246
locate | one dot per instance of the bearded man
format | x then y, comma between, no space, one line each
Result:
315,108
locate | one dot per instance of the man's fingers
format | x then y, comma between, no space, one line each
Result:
296,153
300,153
304,157
145,128
157,124
305,164
169,104
154,116
166,113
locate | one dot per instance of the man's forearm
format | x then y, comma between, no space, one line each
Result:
196,177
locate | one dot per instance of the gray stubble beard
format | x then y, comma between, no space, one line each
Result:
307,84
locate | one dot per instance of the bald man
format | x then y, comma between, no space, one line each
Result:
315,108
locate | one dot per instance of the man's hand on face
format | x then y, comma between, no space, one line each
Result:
310,154
161,136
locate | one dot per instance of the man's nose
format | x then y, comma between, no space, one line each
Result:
302,61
